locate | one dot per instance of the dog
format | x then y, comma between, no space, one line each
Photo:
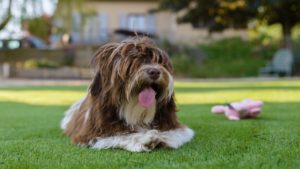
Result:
130,102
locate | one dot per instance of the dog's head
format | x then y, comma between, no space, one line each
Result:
135,75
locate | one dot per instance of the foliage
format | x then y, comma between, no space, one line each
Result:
264,33
231,57
30,136
30,14
284,12
8,16
26,9
182,49
40,27
220,14
215,14
182,65
184,57
40,64
63,14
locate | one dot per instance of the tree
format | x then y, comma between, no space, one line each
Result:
220,14
64,11
7,17
284,12
39,26
31,17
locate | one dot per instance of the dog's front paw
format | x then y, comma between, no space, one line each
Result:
151,144
144,142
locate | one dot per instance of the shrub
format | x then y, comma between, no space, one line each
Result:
231,57
40,64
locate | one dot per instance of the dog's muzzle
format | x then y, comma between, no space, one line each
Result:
153,73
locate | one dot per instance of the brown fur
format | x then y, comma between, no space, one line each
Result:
116,65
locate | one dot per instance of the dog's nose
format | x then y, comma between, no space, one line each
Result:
153,73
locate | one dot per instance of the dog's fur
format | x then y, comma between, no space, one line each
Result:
110,116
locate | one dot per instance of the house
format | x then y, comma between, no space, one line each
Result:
109,16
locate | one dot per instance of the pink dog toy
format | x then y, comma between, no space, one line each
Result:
235,111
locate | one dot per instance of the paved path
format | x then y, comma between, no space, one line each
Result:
45,82
41,82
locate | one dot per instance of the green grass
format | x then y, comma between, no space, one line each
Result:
30,136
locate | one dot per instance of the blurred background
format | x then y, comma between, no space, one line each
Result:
55,39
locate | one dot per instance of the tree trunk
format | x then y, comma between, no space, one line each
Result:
287,35
8,17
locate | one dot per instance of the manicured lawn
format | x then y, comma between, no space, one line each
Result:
30,136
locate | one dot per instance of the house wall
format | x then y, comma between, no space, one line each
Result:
165,25
114,10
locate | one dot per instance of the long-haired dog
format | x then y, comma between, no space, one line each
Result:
130,102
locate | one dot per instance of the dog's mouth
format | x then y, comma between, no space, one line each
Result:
148,95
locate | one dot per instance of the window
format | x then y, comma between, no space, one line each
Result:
14,44
96,28
137,22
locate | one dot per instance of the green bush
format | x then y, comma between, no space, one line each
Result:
231,57
182,64
40,64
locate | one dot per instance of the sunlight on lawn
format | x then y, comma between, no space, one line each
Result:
42,97
186,93
229,96
216,84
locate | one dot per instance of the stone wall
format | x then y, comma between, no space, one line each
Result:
78,57
74,62
59,73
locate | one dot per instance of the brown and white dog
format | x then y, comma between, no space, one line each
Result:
130,103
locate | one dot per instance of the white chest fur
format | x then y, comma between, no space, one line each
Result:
135,114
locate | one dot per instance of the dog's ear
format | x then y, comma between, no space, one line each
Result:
95,87
101,54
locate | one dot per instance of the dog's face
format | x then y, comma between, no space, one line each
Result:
134,76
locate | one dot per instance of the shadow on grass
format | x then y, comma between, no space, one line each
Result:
46,88
234,88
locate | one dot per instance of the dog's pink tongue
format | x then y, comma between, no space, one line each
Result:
147,97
